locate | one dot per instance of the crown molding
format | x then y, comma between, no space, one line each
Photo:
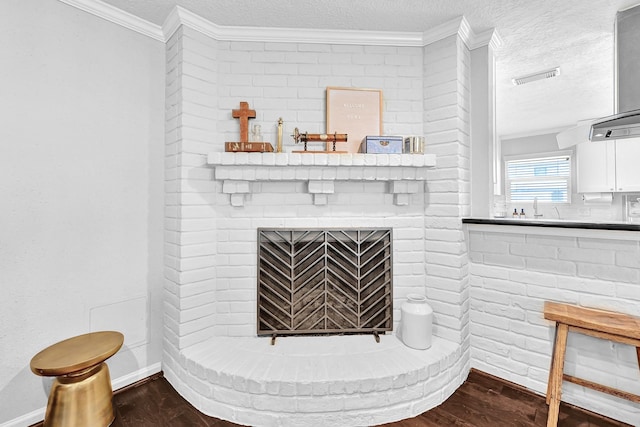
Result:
118,16
181,16
489,38
459,26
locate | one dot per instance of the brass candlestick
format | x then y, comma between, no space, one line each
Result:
279,143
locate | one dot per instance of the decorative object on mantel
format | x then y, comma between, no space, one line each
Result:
356,111
244,113
248,147
315,137
256,133
414,145
382,145
279,143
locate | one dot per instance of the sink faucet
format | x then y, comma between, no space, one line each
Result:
535,208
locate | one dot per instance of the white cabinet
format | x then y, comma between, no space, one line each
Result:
595,166
628,164
608,166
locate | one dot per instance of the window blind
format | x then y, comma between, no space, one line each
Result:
547,178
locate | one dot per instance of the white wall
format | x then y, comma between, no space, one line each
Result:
81,184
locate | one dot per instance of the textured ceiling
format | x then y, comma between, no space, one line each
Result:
576,35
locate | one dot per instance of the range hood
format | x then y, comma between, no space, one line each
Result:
625,124
618,126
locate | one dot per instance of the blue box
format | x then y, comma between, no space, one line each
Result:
382,144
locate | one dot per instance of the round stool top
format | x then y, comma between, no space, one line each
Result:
77,353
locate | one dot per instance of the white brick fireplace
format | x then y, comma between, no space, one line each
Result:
341,380
215,202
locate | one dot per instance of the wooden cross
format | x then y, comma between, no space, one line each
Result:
244,114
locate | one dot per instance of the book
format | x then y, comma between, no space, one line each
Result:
254,147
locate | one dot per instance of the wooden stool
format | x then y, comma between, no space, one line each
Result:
81,394
607,325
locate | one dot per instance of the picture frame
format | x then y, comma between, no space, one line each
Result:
356,112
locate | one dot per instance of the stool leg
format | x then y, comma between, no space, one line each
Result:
554,388
550,380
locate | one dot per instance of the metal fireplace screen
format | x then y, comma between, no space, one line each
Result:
324,281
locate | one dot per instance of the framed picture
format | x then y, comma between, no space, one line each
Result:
356,112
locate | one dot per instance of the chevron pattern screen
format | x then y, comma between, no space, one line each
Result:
324,281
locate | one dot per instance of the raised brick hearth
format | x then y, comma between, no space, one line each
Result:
312,381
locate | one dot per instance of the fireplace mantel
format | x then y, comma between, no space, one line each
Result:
238,170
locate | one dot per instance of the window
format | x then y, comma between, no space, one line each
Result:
548,178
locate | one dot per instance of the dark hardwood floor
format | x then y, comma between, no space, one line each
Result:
482,401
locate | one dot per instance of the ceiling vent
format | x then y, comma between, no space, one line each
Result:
547,74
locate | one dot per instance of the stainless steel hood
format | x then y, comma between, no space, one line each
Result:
625,124
618,126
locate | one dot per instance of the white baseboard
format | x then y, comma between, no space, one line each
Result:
138,375
38,415
26,419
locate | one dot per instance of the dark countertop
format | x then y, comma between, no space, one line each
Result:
558,223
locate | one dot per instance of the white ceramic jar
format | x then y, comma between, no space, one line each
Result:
416,323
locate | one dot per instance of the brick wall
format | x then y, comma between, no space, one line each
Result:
211,235
513,273
211,244
446,117
190,227
288,80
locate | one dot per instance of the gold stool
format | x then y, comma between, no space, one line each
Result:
81,394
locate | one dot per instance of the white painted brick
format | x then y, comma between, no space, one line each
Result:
489,320
447,272
490,346
552,294
526,276
197,275
596,256
629,259
198,250
533,250
552,266
489,271
627,291
529,304
502,364
510,261
541,346
579,284
609,272
505,286
608,244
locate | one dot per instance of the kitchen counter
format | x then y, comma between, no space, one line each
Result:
556,223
